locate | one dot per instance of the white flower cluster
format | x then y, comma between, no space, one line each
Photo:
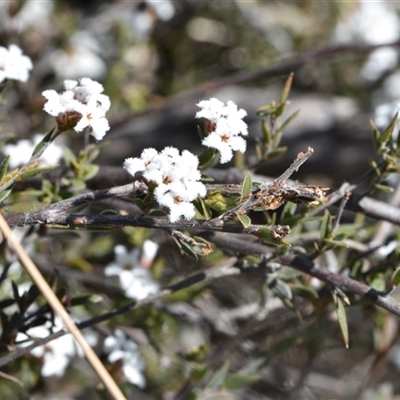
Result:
134,278
21,152
176,177
82,99
57,353
125,350
227,126
13,64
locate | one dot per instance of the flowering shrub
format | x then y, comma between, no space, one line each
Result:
188,273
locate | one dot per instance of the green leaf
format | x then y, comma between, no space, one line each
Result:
219,377
341,313
237,381
69,156
326,225
288,120
200,132
376,135
42,145
246,187
280,109
383,188
4,194
389,130
4,167
267,235
89,171
244,219
186,248
30,173
81,300
202,208
208,158
280,288
206,178
286,88
396,277
277,152
266,132
336,243
266,109
277,139
201,246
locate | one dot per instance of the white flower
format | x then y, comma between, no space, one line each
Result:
20,152
121,348
13,64
135,280
226,127
81,98
176,176
30,14
80,58
57,353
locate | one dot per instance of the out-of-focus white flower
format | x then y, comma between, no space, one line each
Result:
143,19
79,59
34,14
21,152
135,280
82,106
120,347
57,353
226,127
176,177
13,64
384,114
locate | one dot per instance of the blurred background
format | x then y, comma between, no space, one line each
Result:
156,60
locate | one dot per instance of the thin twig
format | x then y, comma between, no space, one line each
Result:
223,269
56,305
303,264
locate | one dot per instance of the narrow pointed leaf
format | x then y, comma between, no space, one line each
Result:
277,152
376,135
4,194
389,130
289,120
266,132
42,145
280,289
326,225
246,187
4,167
286,88
219,377
208,158
30,173
341,313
